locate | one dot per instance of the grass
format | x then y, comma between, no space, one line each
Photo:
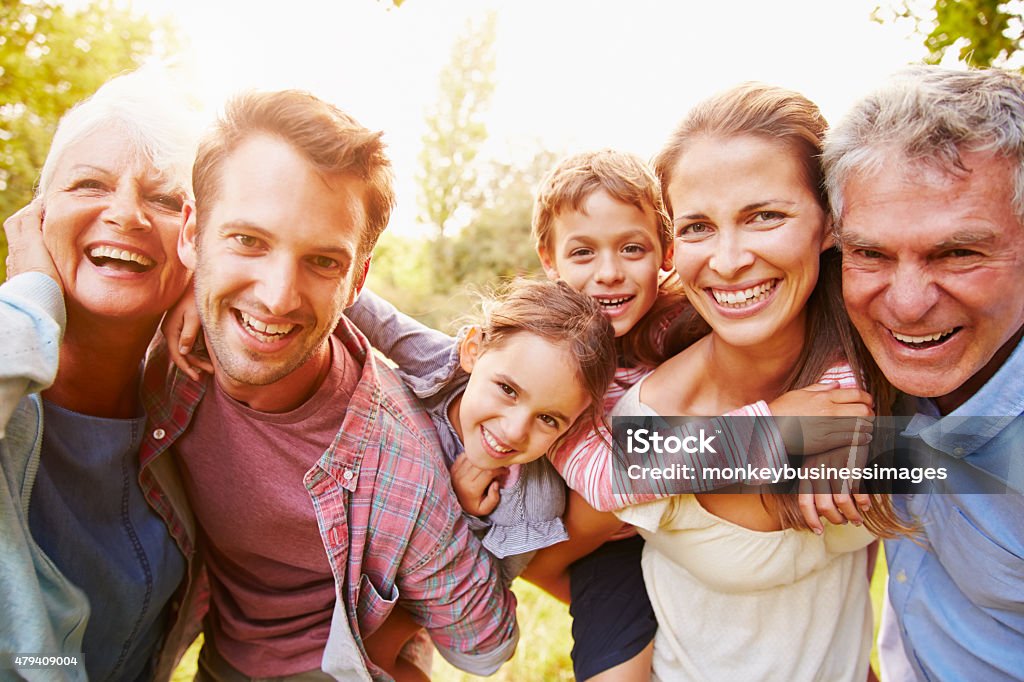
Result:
878,581
545,639
186,669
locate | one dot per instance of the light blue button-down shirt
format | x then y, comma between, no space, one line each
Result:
958,596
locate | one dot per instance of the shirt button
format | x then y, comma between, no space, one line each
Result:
159,434
347,475
901,577
959,452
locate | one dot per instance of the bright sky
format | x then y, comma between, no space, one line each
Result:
571,74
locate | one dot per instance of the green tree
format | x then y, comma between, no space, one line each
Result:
50,58
991,30
480,209
455,134
494,245
497,243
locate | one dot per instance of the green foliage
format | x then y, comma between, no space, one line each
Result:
984,23
480,210
50,58
991,29
455,133
455,127
401,272
496,244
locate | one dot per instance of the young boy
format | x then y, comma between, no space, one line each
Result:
600,225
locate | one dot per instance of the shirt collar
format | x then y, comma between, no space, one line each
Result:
980,419
342,460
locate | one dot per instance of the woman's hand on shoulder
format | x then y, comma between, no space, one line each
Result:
823,417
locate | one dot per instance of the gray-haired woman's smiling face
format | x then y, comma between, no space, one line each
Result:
111,223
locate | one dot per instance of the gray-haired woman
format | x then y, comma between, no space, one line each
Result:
88,566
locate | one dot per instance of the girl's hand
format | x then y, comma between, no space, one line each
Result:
181,327
26,251
832,426
478,490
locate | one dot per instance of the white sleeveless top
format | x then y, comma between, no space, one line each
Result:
735,603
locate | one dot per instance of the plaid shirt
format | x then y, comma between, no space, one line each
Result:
389,521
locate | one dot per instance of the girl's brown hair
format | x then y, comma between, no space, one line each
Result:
562,316
795,123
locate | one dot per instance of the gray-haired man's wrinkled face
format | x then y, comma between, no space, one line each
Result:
933,273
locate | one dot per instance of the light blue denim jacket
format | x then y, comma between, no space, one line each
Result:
43,612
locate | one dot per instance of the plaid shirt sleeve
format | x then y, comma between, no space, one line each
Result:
449,582
452,586
411,539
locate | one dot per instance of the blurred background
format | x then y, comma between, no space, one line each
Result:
477,99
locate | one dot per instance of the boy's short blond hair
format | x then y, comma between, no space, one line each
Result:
625,177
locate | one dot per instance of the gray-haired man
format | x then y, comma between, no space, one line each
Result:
926,180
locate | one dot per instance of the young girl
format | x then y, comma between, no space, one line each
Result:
502,396
754,254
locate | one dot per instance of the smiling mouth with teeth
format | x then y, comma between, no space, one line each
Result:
744,298
120,259
613,302
924,340
263,331
493,443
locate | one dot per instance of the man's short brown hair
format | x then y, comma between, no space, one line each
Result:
334,142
